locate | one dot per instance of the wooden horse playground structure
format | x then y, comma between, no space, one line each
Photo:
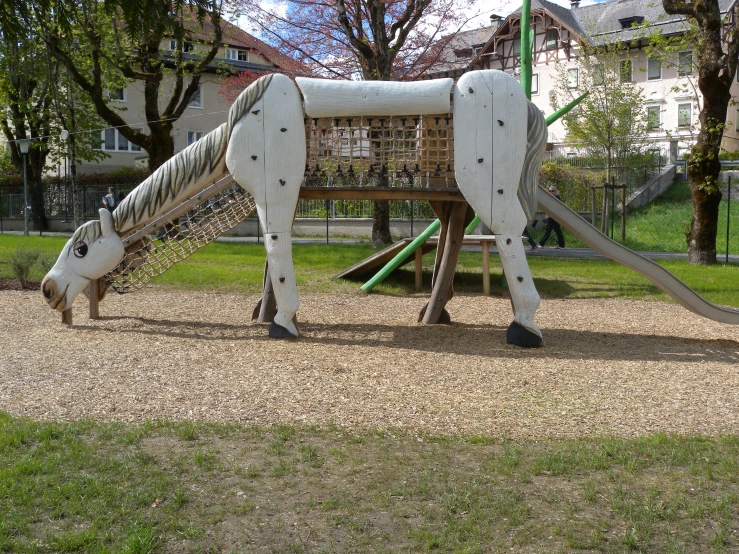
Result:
471,147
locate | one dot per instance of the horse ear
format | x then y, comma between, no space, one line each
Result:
106,223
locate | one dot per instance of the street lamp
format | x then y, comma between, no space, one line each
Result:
24,145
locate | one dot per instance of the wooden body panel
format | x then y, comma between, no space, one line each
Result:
324,98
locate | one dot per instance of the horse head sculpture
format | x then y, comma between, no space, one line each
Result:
94,250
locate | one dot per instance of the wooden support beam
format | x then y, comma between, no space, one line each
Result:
67,317
94,298
266,308
486,267
369,193
442,290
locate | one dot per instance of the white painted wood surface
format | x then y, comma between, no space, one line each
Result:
282,272
491,117
245,156
324,98
285,154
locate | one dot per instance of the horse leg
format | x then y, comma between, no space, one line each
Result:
266,155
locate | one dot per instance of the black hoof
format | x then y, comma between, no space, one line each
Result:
279,332
518,335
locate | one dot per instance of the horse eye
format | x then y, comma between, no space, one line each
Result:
80,249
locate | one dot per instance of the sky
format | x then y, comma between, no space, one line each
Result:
499,7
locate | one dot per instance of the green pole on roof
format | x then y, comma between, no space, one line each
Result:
526,47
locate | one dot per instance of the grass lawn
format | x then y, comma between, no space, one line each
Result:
237,267
197,487
202,487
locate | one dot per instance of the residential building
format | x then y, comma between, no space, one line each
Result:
208,108
672,98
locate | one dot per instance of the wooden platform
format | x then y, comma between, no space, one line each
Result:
381,193
379,259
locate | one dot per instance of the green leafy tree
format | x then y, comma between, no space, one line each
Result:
611,122
104,45
714,42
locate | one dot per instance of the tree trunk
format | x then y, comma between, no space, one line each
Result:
703,169
160,145
381,223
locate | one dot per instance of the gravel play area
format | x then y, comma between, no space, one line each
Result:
608,366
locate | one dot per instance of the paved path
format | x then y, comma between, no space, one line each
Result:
548,252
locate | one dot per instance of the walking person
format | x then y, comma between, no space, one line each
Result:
110,200
552,225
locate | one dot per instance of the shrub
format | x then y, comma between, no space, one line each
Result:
22,261
573,184
46,261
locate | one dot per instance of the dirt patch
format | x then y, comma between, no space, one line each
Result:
15,284
609,366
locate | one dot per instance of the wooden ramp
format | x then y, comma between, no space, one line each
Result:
379,259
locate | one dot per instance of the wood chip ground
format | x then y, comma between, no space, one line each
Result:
608,367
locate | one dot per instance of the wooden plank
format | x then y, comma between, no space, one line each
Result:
509,129
442,290
245,156
268,303
473,148
367,193
324,98
94,298
284,156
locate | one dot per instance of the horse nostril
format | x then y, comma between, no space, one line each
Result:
48,288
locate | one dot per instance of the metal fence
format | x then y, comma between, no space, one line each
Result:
659,225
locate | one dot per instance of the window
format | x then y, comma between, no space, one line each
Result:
653,116
598,76
654,69
572,78
113,141
625,71
685,63
476,51
194,136
196,101
551,40
240,55
684,113
517,44
535,83
118,94
188,47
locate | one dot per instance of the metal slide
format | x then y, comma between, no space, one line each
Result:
671,285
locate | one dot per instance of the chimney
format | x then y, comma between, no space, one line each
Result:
574,3
495,20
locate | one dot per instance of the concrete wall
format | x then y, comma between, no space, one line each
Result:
645,194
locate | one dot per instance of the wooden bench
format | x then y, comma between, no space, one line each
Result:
485,241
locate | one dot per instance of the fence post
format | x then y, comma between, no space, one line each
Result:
613,201
592,205
84,202
623,215
327,208
1,213
728,220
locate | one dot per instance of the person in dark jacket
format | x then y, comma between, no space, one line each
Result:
552,225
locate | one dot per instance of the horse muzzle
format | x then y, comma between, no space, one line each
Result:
56,299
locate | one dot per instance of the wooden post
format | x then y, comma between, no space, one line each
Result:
94,297
419,269
592,205
485,267
67,317
442,290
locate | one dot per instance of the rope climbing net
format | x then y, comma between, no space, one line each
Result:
180,237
